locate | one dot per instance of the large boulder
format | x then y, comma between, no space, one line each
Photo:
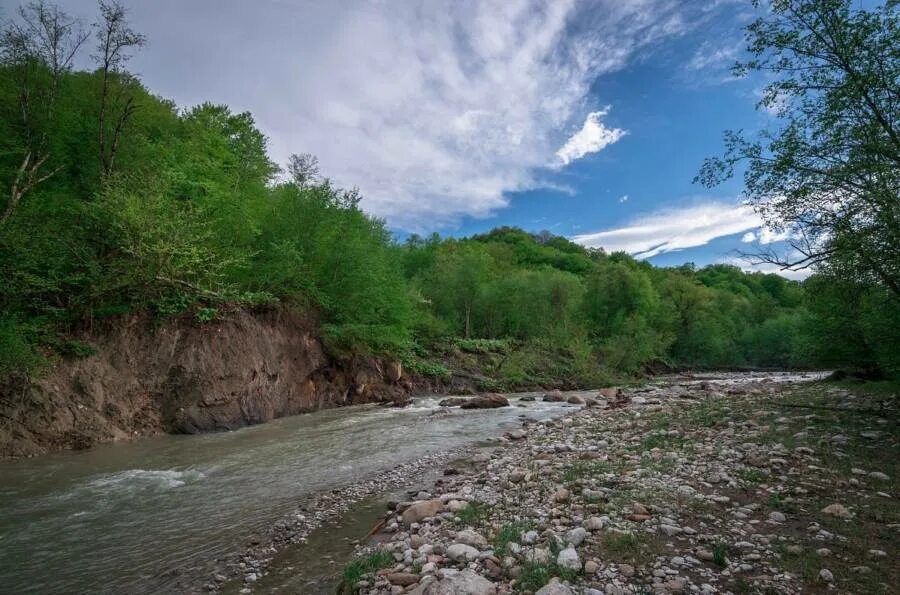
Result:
488,401
421,510
452,401
554,396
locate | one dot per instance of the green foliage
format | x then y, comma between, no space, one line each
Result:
18,358
358,568
185,215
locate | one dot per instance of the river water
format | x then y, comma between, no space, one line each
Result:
135,517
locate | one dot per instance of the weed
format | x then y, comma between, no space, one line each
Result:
473,515
719,557
355,570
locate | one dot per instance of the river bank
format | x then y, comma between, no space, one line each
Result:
715,486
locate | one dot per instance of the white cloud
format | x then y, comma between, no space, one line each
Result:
594,136
764,235
746,266
435,110
718,57
669,230
623,198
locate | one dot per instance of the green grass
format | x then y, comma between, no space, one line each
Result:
358,568
534,576
475,514
719,554
509,533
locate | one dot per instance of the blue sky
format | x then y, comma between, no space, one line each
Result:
588,118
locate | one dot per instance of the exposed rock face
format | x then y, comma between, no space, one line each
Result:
187,377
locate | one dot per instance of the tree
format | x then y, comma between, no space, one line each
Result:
115,40
36,52
303,169
830,173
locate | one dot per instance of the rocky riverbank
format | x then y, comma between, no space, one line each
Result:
699,487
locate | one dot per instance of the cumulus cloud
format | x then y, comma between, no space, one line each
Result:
669,230
434,110
594,136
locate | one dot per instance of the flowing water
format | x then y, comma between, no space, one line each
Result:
136,517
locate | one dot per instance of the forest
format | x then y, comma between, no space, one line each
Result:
118,201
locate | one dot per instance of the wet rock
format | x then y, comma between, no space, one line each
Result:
518,434
554,396
575,400
452,401
488,401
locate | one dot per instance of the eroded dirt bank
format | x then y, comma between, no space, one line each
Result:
186,377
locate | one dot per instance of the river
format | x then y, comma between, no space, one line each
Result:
137,517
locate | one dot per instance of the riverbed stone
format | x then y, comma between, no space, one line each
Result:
465,582
421,510
461,552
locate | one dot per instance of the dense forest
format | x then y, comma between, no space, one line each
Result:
118,201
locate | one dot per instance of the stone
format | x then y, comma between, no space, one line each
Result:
554,396
879,476
568,558
473,538
519,434
537,555
554,587
488,401
461,552
394,371
670,530
421,510
457,505
458,583
561,495
777,517
576,536
609,393
591,567
575,400
594,523
530,537
838,510
527,399
452,402
404,579
517,475
638,508
626,570
826,575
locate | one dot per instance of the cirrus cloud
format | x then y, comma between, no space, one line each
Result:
672,229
